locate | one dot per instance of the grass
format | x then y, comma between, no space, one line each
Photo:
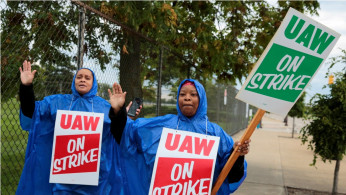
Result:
13,145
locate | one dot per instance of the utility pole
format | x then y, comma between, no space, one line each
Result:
81,29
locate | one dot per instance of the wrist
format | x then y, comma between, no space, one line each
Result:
116,109
26,84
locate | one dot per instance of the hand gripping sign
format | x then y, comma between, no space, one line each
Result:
76,148
284,70
184,163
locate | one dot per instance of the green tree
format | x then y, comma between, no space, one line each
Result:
103,90
228,52
30,32
326,133
201,39
298,110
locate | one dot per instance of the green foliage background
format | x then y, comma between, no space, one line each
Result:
326,133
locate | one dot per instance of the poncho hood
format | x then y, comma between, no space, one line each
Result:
93,90
202,107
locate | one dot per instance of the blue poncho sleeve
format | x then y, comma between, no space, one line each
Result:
37,166
25,122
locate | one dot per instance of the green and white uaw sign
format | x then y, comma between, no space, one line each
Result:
288,64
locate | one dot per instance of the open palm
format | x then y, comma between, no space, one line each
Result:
26,76
116,97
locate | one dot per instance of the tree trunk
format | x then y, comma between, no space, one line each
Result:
336,173
293,126
130,69
218,104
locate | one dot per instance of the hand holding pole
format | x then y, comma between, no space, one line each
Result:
231,160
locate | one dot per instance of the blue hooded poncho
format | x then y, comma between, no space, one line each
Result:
35,175
141,138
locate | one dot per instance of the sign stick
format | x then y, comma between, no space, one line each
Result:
231,160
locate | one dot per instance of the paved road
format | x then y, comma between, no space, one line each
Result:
276,161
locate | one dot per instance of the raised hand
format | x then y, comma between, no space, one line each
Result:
243,148
116,97
26,76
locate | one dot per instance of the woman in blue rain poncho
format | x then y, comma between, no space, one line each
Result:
38,118
140,139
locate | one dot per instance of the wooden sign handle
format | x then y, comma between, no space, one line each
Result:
231,160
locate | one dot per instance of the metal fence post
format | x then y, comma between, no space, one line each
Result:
218,103
158,99
81,28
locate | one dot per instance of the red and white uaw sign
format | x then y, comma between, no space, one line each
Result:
76,148
288,64
184,163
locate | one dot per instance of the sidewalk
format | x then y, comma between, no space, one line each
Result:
279,164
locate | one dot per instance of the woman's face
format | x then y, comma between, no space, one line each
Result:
84,81
188,100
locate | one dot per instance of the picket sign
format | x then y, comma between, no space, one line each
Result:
286,67
76,151
184,163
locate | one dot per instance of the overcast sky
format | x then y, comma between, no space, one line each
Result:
333,15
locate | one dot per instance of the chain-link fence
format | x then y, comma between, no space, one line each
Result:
59,37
